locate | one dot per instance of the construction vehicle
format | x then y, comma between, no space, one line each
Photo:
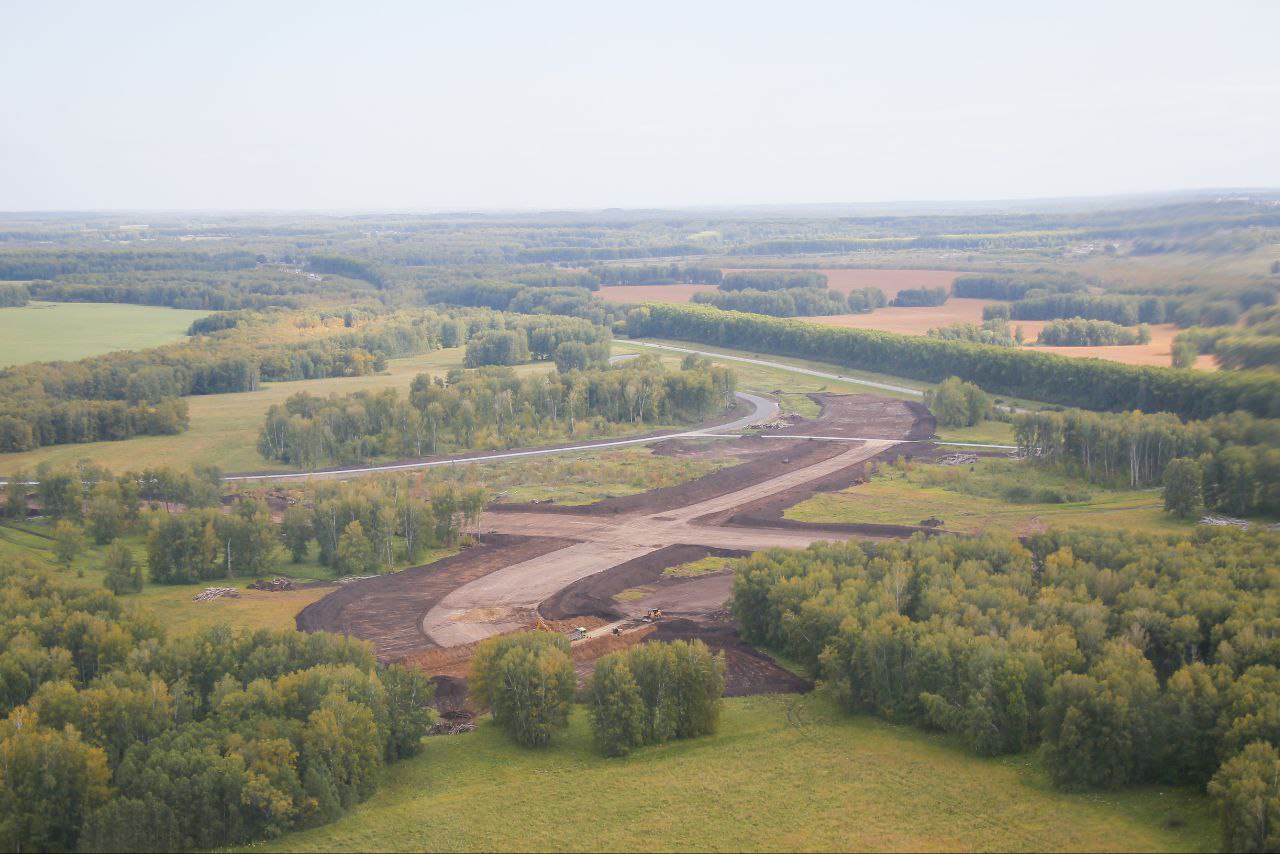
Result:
651,616
578,633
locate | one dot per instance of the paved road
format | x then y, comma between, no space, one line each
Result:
763,410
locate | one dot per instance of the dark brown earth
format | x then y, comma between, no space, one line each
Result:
388,609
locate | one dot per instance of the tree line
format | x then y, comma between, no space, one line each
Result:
25,265
488,408
1125,658
772,280
13,295
1256,345
656,274
995,333
1229,463
117,737
1079,332
921,297
1015,286
794,302
1087,383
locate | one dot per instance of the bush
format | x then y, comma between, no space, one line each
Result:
920,297
956,403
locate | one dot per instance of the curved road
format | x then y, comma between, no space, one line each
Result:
763,410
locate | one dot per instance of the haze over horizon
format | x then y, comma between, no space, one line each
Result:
142,105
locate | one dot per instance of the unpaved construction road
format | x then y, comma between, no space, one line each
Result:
530,554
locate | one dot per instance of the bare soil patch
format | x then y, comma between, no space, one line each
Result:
747,669
388,610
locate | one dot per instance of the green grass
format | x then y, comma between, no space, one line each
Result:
702,566
49,331
583,478
970,502
834,782
987,432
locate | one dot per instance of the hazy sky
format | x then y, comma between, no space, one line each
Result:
420,105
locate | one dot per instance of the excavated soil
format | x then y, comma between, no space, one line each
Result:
388,610
647,533
747,669
593,595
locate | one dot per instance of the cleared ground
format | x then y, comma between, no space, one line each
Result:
499,586
782,774
50,331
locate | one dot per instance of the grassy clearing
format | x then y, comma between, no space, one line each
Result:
49,331
988,432
583,478
224,427
972,501
710,563
762,783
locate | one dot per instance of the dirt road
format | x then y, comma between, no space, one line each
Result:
501,587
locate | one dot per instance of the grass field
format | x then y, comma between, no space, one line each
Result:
970,501
832,782
583,478
49,331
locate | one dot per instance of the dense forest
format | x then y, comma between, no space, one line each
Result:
489,408
1234,458
120,738
1015,286
1086,383
1127,659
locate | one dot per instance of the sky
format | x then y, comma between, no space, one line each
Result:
537,105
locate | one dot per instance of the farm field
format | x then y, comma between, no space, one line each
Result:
782,774
972,502
49,331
